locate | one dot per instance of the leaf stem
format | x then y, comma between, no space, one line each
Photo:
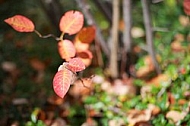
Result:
38,33
61,36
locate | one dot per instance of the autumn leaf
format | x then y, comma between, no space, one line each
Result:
75,65
62,81
186,5
80,46
86,56
66,49
86,35
71,22
20,23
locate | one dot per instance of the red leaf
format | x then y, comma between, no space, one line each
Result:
186,5
20,23
75,65
66,49
86,35
62,81
71,22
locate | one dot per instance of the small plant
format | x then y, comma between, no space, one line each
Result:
76,54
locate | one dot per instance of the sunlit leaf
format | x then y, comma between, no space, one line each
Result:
80,46
86,35
71,22
75,65
20,23
62,81
66,49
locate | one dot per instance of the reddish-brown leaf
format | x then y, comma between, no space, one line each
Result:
71,22
62,81
186,5
75,65
86,54
86,57
66,49
20,23
86,35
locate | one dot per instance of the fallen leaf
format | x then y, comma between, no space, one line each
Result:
158,80
175,116
81,87
184,20
37,64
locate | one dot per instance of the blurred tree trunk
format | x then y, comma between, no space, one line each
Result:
149,33
91,21
126,54
114,41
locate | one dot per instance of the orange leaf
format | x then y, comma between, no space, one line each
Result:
71,22
62,81
86,35
66,49
20,23
79,46
75,65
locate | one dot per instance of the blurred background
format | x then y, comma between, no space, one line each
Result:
136,92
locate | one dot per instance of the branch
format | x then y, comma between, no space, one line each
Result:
91,21
47,36
127,41
128,25
149,33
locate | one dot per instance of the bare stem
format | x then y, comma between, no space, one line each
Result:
84,84
47,36
149,33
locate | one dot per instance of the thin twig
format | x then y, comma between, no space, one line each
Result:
127,40
84,84
149,33
47,36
